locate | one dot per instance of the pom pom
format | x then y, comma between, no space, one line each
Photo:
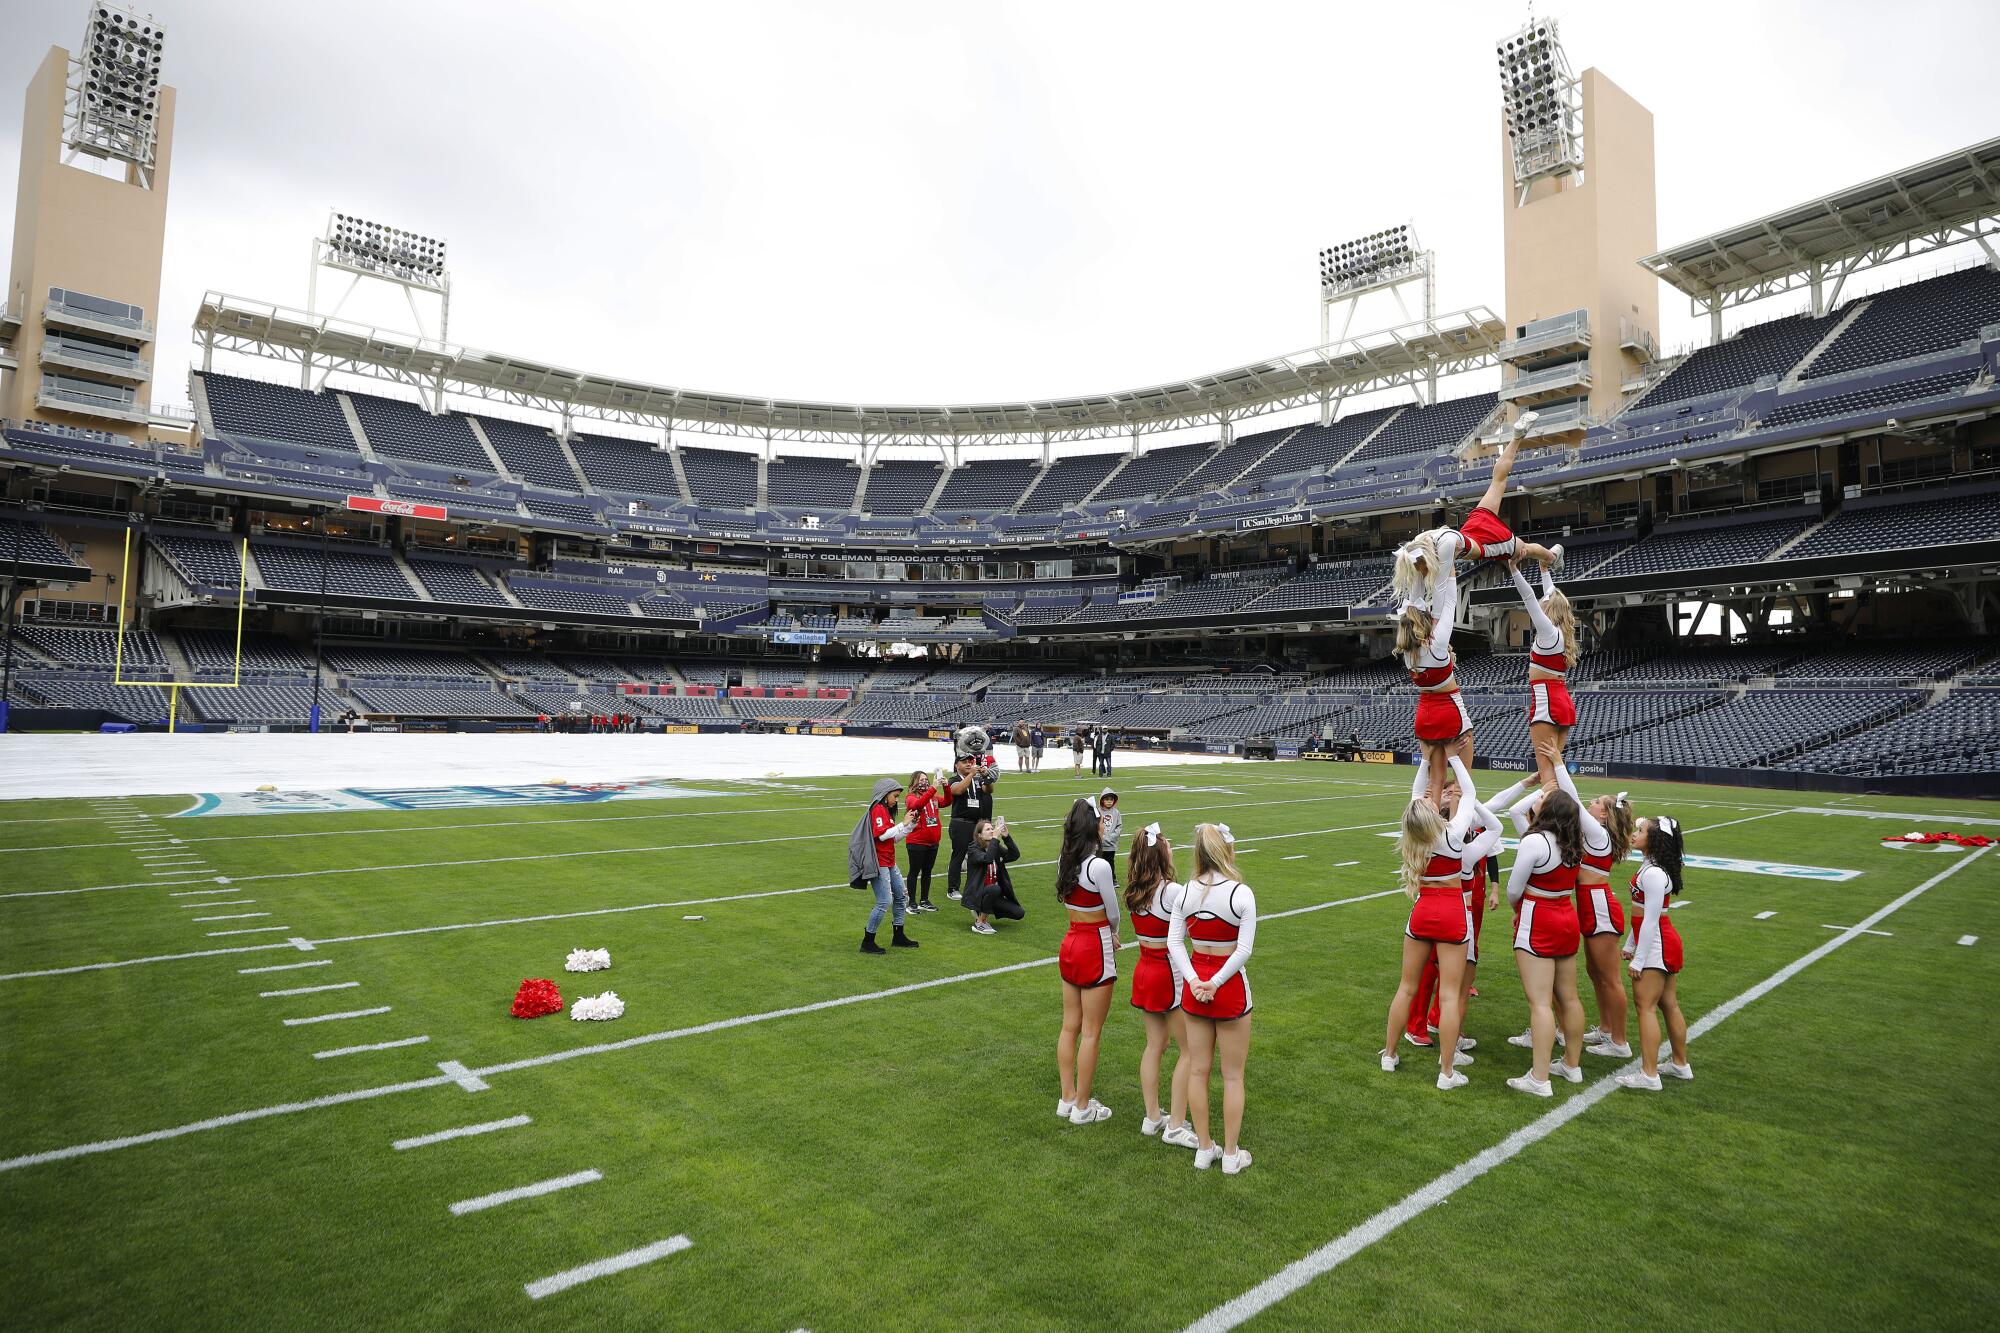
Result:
588,960
597,1007
537,996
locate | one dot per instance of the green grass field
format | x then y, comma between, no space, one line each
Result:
841,1158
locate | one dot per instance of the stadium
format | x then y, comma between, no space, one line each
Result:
357,681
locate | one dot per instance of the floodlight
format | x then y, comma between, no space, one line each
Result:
113,105
387,252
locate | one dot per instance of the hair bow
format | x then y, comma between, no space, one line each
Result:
1669,823
1411,605
1152,832
1621,799
1227,836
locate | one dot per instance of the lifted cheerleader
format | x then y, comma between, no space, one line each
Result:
1429,558
1088,962
1435,857
1150,897
1656,953
1551,711
1213,928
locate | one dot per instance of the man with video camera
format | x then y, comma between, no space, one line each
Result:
970,790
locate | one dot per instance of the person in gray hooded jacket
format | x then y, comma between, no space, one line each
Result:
1111,824
871,861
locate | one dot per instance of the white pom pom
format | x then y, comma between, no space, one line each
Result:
588,960
597,1008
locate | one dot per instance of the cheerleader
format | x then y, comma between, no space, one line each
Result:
1435,854
1655,952
1150,896
1443,726
1546,936
1209,939
1088,962
1552,652
1428,558
1426,1007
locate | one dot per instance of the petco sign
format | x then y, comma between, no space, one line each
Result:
369,504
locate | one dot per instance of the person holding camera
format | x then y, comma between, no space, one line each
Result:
926,827
989,888
871,863
971,794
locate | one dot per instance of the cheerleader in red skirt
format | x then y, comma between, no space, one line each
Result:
1435,853
1607,837
1551,653
1213,928
1088,961
1150,896
1443,727
1423,562
1541,886
1656,954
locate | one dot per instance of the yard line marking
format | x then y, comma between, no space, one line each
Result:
201,893
539,1188
252,930
1824,926
462,1132
1765,916
1296,1275
1337,865
307,990
334,1018
645,1039
1968,939
373,1046
464,1077
182,875
278,967
1748,819
233,902
233,916
1300,857
617,1263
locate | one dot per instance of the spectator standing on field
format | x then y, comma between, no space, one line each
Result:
1079,736
871,860
1037,738
1110,825
971,796
1105,742
1020,739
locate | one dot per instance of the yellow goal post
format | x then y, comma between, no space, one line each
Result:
174,687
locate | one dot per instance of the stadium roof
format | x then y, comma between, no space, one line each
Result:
1924,207
1403,356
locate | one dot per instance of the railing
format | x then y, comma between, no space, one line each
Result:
1574,373
1570,330
99,404
96,358
80,314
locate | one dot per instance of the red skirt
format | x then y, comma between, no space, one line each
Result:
1547,928
1487,535
1598,911
1549,702
1442,717
1089,955
1441,918
1153,988
1232,1001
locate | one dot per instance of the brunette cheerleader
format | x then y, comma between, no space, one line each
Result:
1213,928
1088,962
1656,954
1435,853
1607,838
1150,896
1443,726
1552,652
1546,937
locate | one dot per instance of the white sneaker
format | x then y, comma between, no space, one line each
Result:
1595,1036
1556,552
1446,1082
1566,1071
1467,1043
1204,1157
1090,1113
1672,1070
1423,1045
1640,1081
1523,1039
1149,1126
983,928
1064,1108
1181,1136
1240,1162
1616,1049
1389,1062
1461,1058
1529,1084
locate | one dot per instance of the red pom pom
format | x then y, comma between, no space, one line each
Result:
537,996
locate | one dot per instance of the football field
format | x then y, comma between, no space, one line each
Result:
260,1072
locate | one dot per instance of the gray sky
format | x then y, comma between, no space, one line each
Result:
940,203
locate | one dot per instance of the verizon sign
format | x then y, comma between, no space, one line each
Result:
369,504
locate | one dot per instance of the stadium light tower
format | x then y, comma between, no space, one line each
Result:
375,252
111,106
1382,261
1543,103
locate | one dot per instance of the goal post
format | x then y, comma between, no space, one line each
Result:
174,687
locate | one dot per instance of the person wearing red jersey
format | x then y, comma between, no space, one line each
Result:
1551,653
1088,961
1541,885
1443,726
1150,895
1436,853
880,830
1656,954
1209,938
923,804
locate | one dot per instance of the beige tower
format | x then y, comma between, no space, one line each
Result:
1583,316
89,231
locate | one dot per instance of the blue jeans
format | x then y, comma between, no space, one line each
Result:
888,889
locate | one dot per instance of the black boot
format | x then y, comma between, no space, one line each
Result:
902,941
868,944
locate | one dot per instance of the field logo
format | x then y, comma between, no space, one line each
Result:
349,799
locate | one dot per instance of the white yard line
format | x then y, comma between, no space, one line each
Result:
280,967
201,893
536,1190
1857,929
198,906
251,930
373,1046
307,990
1338,1251
462,1132
335,1018
233,916
1748,819
617,1263
1968,939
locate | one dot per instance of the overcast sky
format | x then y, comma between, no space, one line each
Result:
942,203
